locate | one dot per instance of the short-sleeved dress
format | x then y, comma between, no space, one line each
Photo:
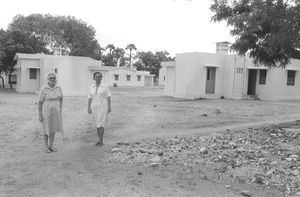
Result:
51,111
99,104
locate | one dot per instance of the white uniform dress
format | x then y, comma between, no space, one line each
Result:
99,104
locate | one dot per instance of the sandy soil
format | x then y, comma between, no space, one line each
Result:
81,169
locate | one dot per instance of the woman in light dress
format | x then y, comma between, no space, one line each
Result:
99,105
50,103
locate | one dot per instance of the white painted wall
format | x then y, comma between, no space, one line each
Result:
276,87
187,78
191,73
170,81
123,72
24,83
162,76
72,72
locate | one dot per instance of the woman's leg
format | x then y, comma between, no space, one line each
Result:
100,132
46,142
52,136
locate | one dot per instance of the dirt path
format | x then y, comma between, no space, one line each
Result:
80,169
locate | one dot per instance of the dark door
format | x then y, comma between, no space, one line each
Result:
252,81
210,80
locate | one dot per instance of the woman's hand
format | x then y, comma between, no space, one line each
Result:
89,110
108,109
40,118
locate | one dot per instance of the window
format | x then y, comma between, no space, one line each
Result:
55,70
128,77
291,77
32,73
240,70
262,76
116,77
164,78
139,77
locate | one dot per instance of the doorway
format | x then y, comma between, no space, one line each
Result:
252,81
210,80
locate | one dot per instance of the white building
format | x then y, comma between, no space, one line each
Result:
207,75
74,73
162,76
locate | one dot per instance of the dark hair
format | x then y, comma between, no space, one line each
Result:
95,73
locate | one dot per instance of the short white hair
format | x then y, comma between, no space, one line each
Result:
51,74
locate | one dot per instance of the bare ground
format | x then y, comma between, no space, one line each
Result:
80,169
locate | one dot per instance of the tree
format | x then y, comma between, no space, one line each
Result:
130,47
118,55
73,35
268,29
110,48
108,59
12,42
151,62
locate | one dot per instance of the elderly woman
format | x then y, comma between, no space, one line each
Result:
50,111
99,105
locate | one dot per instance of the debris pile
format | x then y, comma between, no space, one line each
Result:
268,156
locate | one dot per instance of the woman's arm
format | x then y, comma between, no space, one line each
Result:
89,105
61,100
40,109
109,104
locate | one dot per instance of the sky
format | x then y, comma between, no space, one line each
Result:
176,26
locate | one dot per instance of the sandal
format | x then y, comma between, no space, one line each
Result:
99,144
47,150
52,149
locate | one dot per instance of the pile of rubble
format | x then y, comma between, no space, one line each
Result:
269,156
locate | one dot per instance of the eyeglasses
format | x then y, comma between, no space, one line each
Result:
52,78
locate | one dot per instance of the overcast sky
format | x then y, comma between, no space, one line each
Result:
172,25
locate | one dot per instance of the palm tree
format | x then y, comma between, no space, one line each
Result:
119,55
111,48
130,47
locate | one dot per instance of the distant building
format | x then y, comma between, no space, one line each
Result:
162,76
208,75
74,73
6,79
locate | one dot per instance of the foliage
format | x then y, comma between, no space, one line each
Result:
114,56
74,36
110,48
151,62
119,58
268,29
130,47
12,42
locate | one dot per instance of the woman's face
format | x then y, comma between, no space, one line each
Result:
98,78
52,80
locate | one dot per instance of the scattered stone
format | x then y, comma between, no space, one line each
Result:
122,143
246,193
203,150
115,150
154,165
155,159
272,152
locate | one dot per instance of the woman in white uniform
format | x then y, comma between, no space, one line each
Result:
99,105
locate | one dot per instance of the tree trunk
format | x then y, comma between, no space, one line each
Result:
9,79
130,59
2,81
